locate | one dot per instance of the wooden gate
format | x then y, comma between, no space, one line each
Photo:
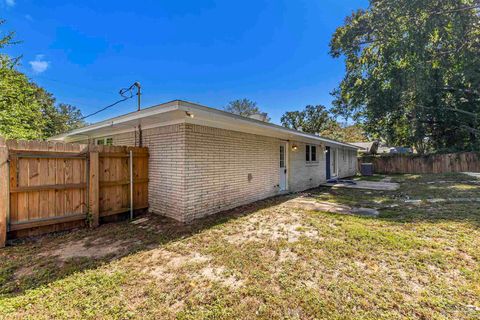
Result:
50,186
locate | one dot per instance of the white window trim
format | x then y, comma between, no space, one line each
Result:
104,139
309,161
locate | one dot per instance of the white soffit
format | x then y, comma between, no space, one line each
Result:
175,112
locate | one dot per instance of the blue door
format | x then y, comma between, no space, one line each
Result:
328,174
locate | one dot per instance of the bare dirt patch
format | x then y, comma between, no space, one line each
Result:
285,226
287,255
83,249
219,275
166,265
24,272
311,204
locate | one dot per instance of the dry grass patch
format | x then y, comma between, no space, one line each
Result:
265,261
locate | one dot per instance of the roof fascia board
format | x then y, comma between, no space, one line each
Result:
194,108
166,107
187,106
130,129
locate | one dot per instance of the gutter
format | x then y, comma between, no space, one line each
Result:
193,107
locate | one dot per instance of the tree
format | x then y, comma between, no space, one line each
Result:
313,119
350,133
5,41
354,133
245,108
62,118
413,72
28,111
317,120
20,111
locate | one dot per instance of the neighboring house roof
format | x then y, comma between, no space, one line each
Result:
364,146
374,147
178,111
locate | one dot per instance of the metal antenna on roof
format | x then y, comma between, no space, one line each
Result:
139,93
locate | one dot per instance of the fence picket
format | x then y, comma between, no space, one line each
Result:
439,163
46,186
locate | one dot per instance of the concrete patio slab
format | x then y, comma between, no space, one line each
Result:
438,200
473,174
367,185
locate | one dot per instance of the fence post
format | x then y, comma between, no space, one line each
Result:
4,192
93,189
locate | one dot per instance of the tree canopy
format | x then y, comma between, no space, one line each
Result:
246,108
317,120
413,72
28,111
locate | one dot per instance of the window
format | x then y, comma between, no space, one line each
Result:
310,153
105,141
282,156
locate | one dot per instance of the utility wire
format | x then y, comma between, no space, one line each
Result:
105,108
123,93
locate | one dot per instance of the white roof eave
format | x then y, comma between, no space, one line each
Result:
200,111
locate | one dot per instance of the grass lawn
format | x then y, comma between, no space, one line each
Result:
267,261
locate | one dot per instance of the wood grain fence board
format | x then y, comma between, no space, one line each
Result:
49,184
4,194
415,164
93,189
13,184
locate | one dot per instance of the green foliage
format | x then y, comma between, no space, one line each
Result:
28,111
413,72
20,109
5,41
317,120
313,119
62,118
245,107
351,133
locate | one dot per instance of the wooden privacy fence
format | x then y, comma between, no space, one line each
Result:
50,186
436,163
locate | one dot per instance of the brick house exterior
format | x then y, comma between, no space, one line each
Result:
203,161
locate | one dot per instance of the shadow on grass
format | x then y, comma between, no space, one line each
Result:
34,262
38,262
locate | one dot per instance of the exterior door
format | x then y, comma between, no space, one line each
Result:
283,167
335,161
328,173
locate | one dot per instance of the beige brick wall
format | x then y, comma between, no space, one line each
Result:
346,159
196,171
218,165
166,170
303,175
125,139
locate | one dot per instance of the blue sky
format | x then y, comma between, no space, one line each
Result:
209,52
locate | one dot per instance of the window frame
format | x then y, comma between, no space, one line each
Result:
311,152
104,141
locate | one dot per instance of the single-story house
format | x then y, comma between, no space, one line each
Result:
203,160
